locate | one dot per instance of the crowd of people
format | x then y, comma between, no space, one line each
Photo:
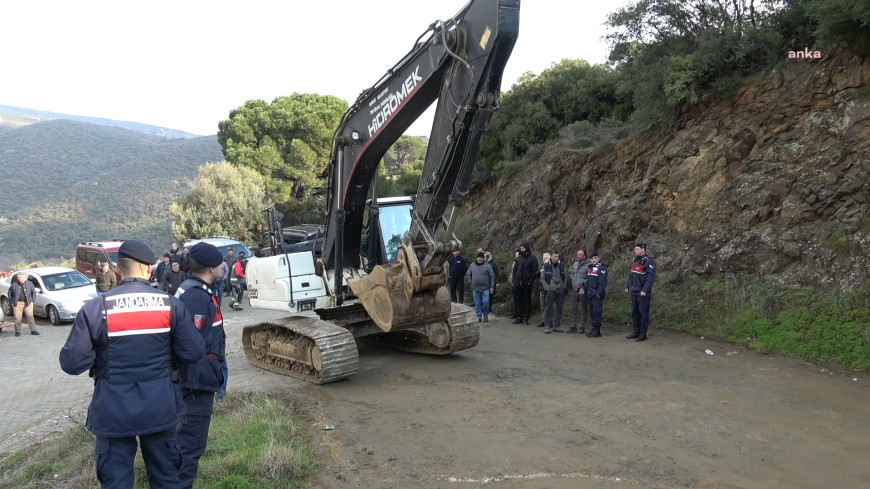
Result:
583,284
157,357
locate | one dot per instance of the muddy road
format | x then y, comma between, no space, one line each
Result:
529,410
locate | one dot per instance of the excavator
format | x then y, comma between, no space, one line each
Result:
381,274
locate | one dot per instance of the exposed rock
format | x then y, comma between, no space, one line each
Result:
773,181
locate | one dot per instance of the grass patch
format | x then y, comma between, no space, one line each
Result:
819,324
255,441
863,91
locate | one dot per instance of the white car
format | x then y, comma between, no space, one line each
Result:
59,292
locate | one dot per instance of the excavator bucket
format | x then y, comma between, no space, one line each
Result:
388,296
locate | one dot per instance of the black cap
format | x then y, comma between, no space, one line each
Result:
137,250
640,244
594,253
166,255
206,254
241,254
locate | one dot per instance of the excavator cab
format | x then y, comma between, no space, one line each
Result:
386,220
386,290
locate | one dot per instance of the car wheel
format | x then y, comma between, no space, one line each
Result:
7,307
53,315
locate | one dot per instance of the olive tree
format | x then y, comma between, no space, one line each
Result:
224,199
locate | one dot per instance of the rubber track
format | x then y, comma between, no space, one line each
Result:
337,347
464,334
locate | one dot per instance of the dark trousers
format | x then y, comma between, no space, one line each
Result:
524,306
516,294
457,289
580,303
218,290
241,285
596,305
553,310
193,433
640,312
114,460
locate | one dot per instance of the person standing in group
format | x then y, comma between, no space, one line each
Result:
239,269
200,381
553,280
175,254
106,279
541,292
173,278
128,339
457,266
640,282
185,262
578,292
489,259
482,280
160,271
223,276
513,283
527,268
230,284
21,295
596,291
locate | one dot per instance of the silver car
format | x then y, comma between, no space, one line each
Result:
60,292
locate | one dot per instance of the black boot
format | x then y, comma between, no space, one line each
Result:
596,331
634,334
641,336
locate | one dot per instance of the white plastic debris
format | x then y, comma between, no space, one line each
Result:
709,352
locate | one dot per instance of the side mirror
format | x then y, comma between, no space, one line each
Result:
37,290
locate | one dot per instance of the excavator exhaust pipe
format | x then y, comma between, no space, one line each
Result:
389,296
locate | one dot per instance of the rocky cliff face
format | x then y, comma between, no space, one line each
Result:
773,181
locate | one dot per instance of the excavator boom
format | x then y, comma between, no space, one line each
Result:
458,64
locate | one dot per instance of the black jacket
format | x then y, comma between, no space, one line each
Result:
458,266
16,289
527,266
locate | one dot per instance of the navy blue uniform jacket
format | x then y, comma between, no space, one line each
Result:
128,338
204,374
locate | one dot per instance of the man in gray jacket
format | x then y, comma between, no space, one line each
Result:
482,280
578,292
553,281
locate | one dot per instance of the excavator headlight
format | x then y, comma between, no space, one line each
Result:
355,136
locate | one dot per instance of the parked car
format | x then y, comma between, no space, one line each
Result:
60,292
223,244
90,254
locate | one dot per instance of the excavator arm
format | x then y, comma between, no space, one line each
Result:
457,64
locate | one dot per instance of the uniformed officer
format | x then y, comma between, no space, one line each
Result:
639,285
128,338
596,290
199,381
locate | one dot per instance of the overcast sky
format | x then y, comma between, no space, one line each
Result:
185,64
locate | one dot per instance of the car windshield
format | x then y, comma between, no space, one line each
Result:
113,256
65,280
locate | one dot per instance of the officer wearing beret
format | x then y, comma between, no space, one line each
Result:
128,338
596,291
199,381
640,281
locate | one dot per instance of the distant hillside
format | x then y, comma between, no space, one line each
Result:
19,116
71,181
